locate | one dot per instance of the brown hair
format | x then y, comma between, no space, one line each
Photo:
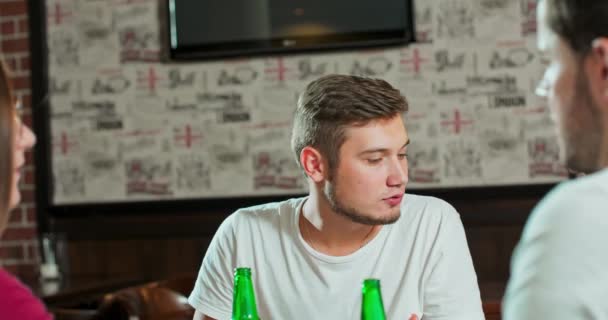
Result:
7,122
332,103
578,22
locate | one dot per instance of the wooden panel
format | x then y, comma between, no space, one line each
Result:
491,248
158,245
148,258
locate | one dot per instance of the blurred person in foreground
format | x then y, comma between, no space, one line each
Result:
560,267
16,300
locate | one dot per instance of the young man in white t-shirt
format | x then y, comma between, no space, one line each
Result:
310,255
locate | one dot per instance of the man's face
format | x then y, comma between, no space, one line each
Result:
566,86
370,178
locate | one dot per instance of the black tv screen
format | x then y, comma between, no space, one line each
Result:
212,29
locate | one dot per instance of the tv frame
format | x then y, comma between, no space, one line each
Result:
289,45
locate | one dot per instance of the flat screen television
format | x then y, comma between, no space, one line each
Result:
213,29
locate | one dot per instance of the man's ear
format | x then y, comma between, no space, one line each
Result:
313,163
600,52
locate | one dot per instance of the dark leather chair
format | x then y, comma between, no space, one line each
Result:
158,300
182,283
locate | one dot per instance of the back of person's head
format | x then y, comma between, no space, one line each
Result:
7,121
331,104
578,22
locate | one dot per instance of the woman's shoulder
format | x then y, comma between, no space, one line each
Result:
17,301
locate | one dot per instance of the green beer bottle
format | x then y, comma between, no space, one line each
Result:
372,307
243,301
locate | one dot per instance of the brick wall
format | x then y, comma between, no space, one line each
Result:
18,245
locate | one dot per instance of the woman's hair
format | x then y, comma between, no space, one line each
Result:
7,122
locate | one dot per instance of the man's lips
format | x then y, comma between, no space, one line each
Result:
395,195
394,199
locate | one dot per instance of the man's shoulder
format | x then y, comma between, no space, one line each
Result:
573,204
592,185
588,192
17,299
259,220
563,243
270,209
265,213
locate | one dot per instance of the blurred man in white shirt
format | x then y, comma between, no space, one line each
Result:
559,269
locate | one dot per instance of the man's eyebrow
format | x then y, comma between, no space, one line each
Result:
383,150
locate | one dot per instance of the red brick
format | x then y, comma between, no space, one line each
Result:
12,251
27,196
21,82
31,214
12,63
28,176
11,269
19,233
29,157
23,26
16,216
7,27
25,271
32,251
15,45
27,119
25,64
13,8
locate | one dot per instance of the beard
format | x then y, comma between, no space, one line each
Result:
584,130
354,214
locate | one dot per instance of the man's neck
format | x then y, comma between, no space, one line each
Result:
603,157
331,233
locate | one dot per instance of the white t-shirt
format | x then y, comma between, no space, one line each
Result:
560,267
422,261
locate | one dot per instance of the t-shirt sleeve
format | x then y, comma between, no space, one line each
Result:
451,291
558,268
212,293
